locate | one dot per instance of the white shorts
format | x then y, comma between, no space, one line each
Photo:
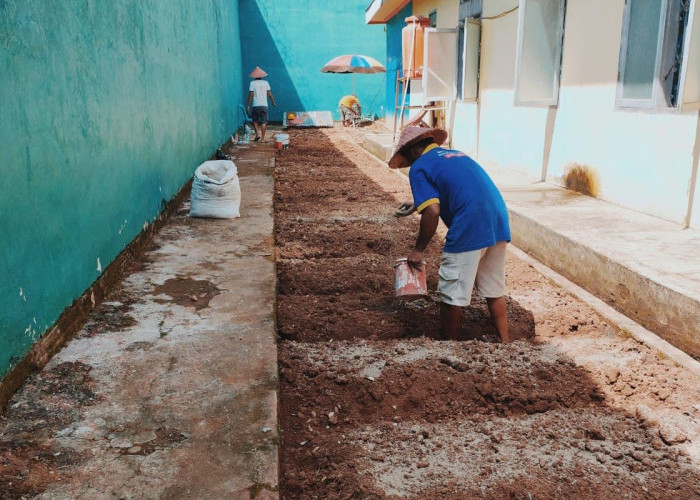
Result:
459,272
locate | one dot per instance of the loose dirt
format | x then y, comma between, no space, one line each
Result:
372,407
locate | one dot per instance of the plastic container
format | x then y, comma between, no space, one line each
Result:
412,40
246,135
281,141
410,282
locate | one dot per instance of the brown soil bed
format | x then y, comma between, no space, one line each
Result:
372,407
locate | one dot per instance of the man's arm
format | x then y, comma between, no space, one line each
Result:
428,225
269,94
356,106
250,98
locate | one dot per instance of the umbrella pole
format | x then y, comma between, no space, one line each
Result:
353,84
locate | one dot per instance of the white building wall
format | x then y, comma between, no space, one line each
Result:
447,11
510,136
466,128
694,212
641,159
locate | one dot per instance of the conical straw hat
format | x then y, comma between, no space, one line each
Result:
258,73
411,135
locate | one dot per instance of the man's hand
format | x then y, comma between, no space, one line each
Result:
406,208
415,259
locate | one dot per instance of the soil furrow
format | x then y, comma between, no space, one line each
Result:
372,407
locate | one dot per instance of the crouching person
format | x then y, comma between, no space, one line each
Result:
449,185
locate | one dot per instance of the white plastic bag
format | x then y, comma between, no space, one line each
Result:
216,192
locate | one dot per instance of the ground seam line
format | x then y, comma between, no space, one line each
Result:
637,331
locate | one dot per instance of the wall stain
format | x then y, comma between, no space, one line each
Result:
582,179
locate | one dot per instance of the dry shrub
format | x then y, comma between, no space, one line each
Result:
582,179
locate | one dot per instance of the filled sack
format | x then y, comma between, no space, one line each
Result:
216,192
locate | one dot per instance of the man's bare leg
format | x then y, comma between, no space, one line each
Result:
264,129
255,126
450,317
499,315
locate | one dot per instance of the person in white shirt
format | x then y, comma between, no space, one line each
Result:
258,92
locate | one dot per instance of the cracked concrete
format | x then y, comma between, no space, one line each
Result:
177,393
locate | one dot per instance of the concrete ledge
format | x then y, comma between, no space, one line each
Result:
380,145
668,313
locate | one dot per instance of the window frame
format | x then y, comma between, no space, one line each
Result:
690,62
655,101
428,71
554,99
464,28
432,17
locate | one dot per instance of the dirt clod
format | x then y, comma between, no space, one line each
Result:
551,415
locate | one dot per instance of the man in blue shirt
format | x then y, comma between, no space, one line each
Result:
449,185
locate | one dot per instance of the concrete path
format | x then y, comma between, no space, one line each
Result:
170,390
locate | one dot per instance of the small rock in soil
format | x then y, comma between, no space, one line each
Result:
627,391
118,442
612,374
671,434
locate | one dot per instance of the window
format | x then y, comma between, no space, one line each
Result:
470,8
538,57
439,63
651,53
689,87
469,42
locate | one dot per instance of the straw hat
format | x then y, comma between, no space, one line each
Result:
411,135
258,73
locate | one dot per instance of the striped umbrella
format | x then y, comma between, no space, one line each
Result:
353,63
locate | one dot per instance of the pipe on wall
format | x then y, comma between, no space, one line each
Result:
693,174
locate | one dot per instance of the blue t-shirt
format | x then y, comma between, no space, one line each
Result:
470,204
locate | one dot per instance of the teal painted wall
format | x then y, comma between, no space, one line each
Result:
292,39
107,109
394,56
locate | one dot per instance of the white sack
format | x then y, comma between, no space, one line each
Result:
216,191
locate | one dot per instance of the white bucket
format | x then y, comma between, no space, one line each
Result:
281,141
283,138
